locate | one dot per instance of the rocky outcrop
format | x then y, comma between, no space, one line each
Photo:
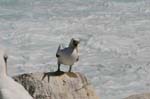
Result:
54,85
139,96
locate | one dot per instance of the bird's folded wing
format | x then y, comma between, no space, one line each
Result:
14,94
7,94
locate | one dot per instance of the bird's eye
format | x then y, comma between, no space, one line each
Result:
74,41
5,58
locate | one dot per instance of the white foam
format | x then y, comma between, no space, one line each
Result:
114,34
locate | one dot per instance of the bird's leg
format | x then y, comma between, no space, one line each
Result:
70,68
58,70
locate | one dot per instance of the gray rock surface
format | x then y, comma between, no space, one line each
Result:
54,85
139,96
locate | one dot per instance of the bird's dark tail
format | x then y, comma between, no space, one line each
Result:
58,50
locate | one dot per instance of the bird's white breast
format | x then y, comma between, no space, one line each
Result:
68,57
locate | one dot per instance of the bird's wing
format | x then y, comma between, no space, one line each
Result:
62,46
10,89
15,90
21,91
13,94
7,94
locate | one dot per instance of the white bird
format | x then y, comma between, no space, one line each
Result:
9,89
68,55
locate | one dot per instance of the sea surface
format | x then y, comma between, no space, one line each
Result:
114,36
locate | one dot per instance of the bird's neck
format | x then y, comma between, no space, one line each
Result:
74,49
3,70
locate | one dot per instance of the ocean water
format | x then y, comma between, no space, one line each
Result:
114,35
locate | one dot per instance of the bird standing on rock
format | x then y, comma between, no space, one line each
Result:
68,55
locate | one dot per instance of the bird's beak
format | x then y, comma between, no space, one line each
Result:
5,59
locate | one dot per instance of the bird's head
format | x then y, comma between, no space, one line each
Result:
3,63
74,43
3,56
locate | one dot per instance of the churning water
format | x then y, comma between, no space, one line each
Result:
114,34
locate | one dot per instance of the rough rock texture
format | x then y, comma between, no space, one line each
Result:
139,96
57,85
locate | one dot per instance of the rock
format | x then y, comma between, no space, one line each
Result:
54,85
139,96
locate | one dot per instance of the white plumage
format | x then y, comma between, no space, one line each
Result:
68,55
9,89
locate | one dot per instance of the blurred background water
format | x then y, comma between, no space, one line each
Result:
114,34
